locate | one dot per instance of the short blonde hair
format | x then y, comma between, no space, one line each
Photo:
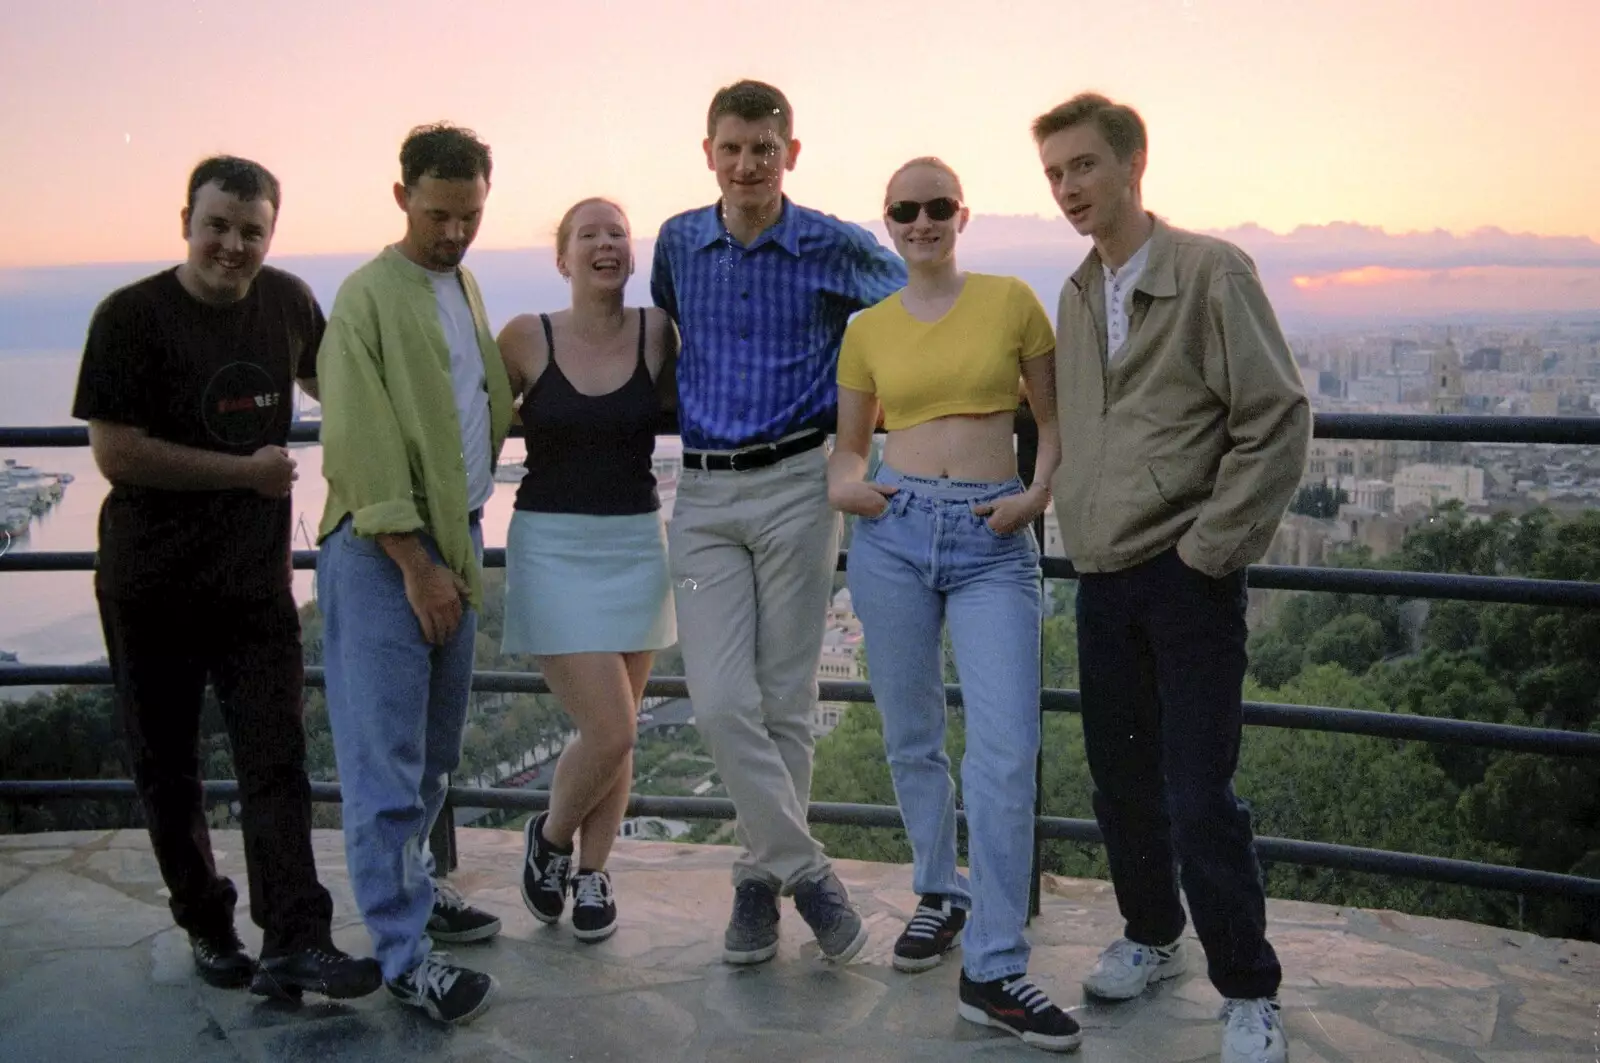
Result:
932,162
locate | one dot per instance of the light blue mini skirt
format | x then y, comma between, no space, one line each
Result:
577,583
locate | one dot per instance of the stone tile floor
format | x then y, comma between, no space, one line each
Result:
92,970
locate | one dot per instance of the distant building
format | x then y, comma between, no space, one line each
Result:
653,829
1386,388
839,657
825,717
1486,359
1530,359
1052,545
1427,485
1301,541
1330,460
1444,367
1381,533
840,661
1374,495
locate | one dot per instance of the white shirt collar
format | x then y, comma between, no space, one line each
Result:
1131,268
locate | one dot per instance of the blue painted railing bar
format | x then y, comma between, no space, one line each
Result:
1503,590
1418,427
1308,854
1443,730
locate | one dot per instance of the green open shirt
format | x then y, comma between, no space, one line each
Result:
391,438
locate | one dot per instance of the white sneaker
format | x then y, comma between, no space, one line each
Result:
1124,969
1253,1031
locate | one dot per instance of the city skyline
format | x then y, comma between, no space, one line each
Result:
1317,276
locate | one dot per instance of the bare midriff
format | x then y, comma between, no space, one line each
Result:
975,447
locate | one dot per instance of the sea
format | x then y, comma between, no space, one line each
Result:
50,617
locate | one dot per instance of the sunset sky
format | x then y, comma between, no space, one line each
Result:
1402,114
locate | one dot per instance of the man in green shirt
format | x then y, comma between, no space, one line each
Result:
415,406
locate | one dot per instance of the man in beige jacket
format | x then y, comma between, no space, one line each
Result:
1184,428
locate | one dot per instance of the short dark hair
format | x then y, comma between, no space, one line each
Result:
1118,123
237,177
445,151
752,101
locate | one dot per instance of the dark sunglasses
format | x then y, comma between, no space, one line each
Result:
905,211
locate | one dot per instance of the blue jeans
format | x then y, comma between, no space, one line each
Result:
397,706
929,560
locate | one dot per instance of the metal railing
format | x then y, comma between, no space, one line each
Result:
1483,589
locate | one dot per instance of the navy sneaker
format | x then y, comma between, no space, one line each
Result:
545,873
594,906
447,993
752,934
826,908
453,920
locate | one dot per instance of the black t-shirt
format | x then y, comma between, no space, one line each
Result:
214,377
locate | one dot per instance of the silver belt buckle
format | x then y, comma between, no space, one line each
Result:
733,458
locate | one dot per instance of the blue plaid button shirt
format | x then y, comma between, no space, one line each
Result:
761,325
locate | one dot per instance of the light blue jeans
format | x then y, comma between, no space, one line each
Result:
927,561
396,706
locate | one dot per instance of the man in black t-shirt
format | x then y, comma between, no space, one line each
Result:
186,384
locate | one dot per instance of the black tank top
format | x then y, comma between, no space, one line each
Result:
590,453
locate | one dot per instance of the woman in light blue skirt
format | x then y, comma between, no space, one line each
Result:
587,589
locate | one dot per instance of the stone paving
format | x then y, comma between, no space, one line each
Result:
91,970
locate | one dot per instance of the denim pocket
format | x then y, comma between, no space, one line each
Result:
1021,539
1022,534
983,522
879,518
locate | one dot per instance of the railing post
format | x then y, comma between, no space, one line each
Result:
442,839
1027,455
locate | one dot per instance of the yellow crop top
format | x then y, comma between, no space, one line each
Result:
968,361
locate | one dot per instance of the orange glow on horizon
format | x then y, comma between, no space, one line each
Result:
1364,277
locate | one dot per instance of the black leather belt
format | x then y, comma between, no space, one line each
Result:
758,456
475,516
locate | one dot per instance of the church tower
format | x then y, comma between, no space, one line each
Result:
1449,396
1444,366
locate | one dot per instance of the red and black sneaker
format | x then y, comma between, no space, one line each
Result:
1019,1007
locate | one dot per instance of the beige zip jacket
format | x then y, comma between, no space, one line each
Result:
1197,434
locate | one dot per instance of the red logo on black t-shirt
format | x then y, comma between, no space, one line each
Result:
239,404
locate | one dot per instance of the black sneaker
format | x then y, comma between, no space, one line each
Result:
324,970
220,959
932,932
455,921
594,906
544,873
752,934
1019,1007
826,908
446,992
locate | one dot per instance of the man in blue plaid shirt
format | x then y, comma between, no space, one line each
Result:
761,290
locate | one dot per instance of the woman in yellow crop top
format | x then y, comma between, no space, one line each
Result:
942,537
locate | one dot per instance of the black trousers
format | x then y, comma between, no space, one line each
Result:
1161,654
163,650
